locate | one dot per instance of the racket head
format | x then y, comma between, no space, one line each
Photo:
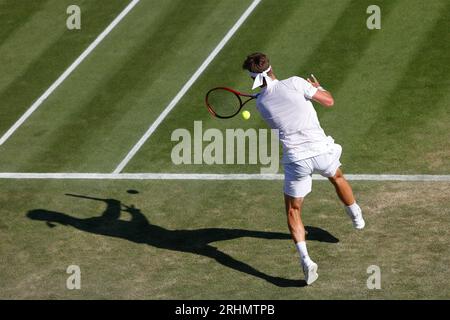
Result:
225,103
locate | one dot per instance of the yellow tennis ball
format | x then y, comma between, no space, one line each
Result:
246,115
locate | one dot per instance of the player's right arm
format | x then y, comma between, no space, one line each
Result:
313,91
322,96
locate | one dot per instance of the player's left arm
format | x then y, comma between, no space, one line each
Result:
322,96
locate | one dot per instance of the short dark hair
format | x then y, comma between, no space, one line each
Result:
256,62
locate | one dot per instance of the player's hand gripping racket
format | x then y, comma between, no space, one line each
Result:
225,103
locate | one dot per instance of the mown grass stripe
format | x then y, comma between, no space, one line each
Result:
68,71
186,87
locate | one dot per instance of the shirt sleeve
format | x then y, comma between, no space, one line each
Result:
304,87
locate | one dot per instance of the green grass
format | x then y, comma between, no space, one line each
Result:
91,122
173,256
220,239
39,48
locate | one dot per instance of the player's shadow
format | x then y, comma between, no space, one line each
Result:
197,241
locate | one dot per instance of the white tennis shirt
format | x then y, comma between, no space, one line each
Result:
285,105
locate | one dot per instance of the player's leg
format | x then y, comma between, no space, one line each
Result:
293,212
297,184
345,193
328,165
297,229
343,188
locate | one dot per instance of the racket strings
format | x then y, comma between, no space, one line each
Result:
223,103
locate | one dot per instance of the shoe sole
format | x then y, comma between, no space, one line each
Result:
312,274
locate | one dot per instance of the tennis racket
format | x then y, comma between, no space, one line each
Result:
225,103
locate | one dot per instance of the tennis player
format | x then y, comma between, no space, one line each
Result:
286,105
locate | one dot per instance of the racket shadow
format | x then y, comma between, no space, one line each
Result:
140,230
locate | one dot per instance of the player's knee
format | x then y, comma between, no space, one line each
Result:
294,205
293,211
333,179
337,176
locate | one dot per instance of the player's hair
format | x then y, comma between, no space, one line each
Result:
256,62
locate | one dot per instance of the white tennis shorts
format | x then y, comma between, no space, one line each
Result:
298,175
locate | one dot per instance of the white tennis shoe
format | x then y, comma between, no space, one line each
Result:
357,218
310,272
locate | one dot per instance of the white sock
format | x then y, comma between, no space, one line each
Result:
304,257
353,209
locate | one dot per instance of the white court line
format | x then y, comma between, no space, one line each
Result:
186,87
66,73
211,176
